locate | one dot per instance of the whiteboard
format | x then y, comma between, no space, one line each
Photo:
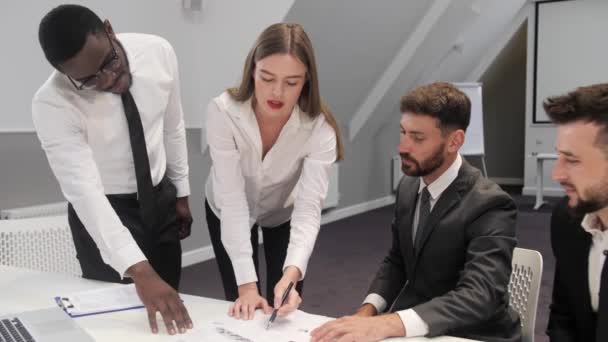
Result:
474,138
570,49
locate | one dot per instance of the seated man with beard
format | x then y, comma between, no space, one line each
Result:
579,238
448,269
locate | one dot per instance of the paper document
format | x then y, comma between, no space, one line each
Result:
107,299
294,328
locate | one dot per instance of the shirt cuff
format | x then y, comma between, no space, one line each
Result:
126,257
244,271
298,258
413,324
182,186
377,301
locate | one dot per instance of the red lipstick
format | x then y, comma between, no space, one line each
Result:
274,104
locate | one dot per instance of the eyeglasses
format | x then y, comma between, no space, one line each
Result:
109,64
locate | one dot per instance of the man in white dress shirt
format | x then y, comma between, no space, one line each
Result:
579,238
111,123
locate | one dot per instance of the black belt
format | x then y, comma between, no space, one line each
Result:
133,196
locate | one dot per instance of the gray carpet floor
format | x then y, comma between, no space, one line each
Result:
348,252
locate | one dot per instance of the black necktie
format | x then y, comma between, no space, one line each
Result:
145,188
423,216
601,332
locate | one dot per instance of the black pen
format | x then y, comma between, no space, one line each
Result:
274,312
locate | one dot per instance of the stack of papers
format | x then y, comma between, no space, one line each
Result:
294,328
108,299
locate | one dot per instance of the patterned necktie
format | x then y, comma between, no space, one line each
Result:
423,216
145,188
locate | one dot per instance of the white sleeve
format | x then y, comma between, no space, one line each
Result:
229,194
175,133
311,190
414,325
377,301
71,159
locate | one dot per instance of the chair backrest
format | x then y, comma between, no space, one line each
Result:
42,244
524,287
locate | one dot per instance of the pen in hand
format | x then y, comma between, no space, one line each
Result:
283,299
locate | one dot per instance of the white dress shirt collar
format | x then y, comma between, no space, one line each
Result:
592,224
243,112
440,184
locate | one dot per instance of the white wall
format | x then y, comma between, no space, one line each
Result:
539,138
227,34
504,107
576,30
351,56
210,46
572,55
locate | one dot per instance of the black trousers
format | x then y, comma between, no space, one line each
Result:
276,240
159,241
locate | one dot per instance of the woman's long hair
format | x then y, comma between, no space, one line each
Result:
288,38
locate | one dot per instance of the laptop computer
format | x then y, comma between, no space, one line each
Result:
45,325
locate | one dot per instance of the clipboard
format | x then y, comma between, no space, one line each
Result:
100,301
62,300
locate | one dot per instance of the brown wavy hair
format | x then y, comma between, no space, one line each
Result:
289,38
587,104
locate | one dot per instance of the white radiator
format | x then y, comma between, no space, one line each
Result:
41,243
52,209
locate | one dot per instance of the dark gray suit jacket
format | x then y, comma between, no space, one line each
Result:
457,281
572,318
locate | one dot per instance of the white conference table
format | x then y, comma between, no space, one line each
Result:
23,290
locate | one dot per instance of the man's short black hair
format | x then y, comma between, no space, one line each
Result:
64,30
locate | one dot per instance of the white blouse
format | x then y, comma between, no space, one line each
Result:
291,181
